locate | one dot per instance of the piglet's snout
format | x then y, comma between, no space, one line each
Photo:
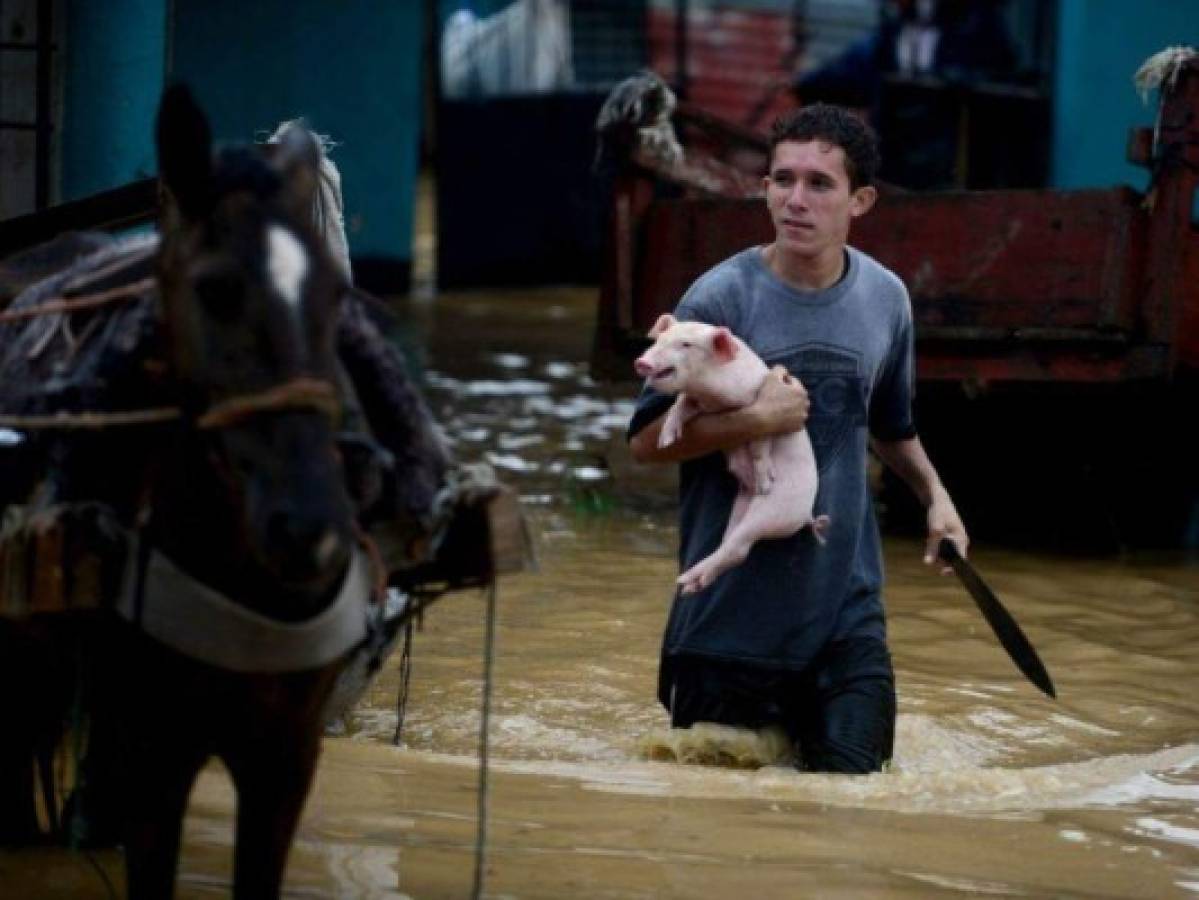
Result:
643,367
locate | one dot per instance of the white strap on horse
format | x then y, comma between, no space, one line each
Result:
197,621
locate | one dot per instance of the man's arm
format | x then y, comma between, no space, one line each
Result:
780,407
907,459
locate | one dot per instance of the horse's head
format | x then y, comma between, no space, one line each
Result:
249,300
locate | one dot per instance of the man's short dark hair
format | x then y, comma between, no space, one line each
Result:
837,126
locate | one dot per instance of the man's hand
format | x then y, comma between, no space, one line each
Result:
944,522
782,402
908,460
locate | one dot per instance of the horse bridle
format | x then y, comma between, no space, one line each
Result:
302,394
312,394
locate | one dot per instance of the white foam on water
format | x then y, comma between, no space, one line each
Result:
589,473
513,387
519,441
1145,785
510,462
966,885
510,360
966,790
707,743
1177,834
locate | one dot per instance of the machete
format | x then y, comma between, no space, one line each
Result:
1000,620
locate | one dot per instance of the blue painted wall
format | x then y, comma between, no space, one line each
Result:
351,67
112,80
1101,44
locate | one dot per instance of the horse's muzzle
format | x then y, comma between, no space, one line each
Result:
305,551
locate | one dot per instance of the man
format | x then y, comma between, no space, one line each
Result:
795,635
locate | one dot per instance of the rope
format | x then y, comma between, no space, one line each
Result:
484,744
74,304
94,420
299,393
405,681
378,568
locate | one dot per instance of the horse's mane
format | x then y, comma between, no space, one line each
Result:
240,168
328,207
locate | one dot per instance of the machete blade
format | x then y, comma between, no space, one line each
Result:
1010,636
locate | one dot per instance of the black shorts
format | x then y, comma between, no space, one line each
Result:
839,712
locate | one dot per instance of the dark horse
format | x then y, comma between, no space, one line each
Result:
252,501
246,585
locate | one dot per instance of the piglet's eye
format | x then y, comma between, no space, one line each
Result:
686,345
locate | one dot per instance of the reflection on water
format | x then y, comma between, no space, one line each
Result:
996,790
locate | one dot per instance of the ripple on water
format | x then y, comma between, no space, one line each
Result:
964,790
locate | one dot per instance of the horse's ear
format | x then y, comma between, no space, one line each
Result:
297,157
184,141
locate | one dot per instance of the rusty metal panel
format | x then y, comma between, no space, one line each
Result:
1188,312
1011,259
681,239
1018,286
1016,259
1016,362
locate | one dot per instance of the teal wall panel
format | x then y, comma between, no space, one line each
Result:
351,67
113,75
1101,44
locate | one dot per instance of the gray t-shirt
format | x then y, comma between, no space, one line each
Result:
851,346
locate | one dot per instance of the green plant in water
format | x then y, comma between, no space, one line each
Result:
590,499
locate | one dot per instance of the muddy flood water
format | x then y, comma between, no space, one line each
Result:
996,790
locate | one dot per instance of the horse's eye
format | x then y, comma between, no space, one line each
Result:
220,295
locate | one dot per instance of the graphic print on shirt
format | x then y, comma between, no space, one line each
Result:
837,391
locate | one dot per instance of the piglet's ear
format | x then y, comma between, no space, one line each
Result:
724,346
666,320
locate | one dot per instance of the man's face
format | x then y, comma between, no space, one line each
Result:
809,197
